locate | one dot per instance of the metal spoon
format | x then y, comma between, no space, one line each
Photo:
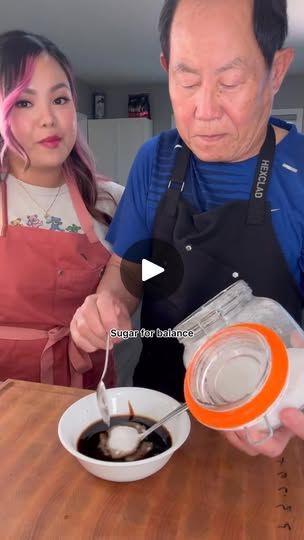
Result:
101,394
179,410
124,440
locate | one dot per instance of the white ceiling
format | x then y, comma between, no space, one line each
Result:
114,41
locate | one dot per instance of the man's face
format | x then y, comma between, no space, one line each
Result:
220,87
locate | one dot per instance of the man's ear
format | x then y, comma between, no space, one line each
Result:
163,62
281,62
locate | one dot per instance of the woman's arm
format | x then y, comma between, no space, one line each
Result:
111,307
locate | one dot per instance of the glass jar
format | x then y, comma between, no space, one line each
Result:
244,362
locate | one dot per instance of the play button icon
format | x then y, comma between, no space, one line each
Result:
150,270
158,269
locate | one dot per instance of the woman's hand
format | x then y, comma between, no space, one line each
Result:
92,321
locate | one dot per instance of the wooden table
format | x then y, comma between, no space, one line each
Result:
208,490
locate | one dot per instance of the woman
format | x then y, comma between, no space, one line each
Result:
54,216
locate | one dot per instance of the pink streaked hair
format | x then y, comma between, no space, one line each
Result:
7,103
80,164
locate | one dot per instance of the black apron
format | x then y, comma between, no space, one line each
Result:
218,247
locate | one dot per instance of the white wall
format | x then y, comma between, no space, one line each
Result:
85,98
291,94
116,103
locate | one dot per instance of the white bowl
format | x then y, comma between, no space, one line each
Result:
145,402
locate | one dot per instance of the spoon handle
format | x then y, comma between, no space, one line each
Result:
179,410
101,389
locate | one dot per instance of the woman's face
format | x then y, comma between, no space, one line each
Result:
44,120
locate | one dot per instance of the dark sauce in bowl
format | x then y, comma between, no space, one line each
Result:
88,442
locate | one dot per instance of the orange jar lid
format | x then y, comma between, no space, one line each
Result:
254,407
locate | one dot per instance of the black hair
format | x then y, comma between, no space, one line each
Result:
16,46
270,25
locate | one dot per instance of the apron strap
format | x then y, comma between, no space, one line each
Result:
257,206
3,207
84,216
182,154
177,180
79,361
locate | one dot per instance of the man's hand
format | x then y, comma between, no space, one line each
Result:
95,318
292,424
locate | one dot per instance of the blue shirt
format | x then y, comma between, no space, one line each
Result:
210,185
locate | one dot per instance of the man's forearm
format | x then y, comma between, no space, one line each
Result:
113,284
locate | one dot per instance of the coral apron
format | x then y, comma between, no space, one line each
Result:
45,276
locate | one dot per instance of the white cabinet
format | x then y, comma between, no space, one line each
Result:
115,142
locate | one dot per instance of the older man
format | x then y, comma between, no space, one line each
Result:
224,190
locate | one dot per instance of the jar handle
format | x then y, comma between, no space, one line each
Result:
263,439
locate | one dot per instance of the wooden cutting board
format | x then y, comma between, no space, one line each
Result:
208,490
